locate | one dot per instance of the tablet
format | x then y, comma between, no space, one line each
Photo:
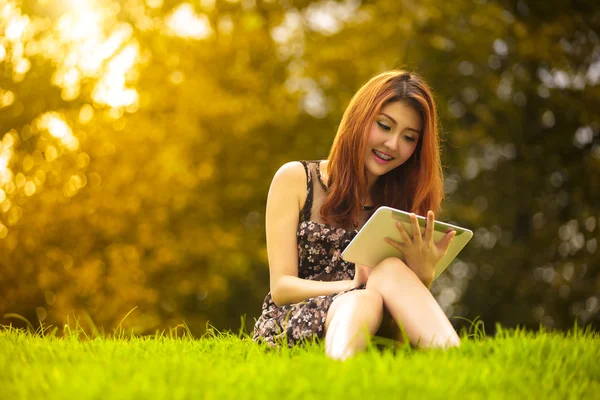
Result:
368,246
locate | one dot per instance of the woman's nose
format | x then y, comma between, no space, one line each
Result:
392,143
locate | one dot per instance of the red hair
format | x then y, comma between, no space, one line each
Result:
415,186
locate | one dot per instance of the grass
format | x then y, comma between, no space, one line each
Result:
222,365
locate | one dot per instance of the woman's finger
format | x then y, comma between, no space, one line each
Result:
393,243
403,234
445,242
429,227
416,230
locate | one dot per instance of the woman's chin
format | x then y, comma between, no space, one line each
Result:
376,169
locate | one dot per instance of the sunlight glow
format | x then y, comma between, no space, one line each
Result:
154,3
58,128
82,23
88,50
16,28
184,22
5,172
80,47
111,88
6,154
6,98
328,17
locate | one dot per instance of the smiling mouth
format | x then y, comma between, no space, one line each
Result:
382,156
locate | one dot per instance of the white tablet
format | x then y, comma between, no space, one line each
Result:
369,248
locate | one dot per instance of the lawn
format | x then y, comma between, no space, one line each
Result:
513,364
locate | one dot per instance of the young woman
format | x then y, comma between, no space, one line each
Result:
386,152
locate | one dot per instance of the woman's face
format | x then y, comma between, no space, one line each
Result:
392,139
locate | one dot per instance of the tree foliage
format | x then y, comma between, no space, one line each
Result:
139,139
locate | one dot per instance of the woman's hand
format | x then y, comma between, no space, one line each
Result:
361,275
420,252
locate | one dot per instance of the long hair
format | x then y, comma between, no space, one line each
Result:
415,186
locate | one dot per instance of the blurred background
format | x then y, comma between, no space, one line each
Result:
139,139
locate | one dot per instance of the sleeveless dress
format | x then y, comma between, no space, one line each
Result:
319,249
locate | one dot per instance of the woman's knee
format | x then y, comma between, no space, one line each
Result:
389,268
368,299
391,264
364,304
364,301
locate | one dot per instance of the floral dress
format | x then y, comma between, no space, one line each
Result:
319,249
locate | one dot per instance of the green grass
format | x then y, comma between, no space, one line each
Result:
222,365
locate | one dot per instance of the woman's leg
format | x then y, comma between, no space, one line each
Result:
412,305
350,317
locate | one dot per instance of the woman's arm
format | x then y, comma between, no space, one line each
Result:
292,289
285,200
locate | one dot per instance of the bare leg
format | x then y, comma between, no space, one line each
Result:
412,305
350,318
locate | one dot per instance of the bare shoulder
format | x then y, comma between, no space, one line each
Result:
292,175
290,178
292,171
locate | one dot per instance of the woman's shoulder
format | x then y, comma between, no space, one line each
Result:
292,172
290,182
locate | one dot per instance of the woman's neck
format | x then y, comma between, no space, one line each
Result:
371,179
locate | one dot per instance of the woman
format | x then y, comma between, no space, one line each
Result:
386,152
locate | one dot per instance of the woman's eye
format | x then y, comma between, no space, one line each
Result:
384,127
410,138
